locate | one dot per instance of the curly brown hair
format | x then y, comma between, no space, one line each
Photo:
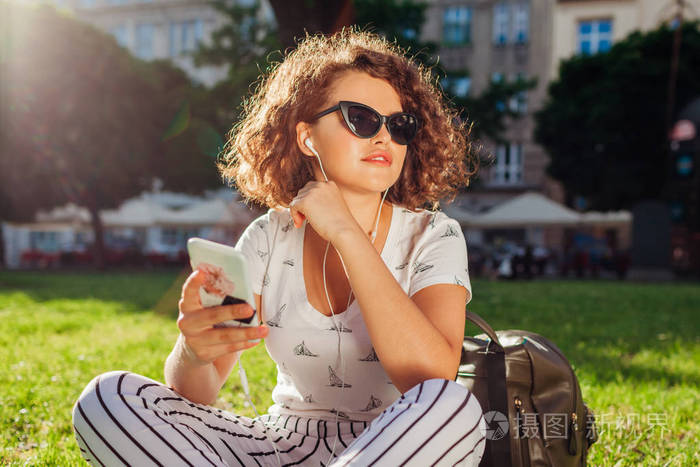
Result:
263,161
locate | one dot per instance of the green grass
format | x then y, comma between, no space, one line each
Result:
635,347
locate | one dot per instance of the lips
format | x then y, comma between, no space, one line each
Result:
385,155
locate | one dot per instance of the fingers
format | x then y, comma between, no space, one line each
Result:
196,321
190,301
297,216
227,336
212,352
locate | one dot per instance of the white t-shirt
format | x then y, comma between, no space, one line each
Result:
421,249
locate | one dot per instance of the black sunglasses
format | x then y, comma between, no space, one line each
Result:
365,122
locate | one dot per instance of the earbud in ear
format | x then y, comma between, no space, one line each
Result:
310,145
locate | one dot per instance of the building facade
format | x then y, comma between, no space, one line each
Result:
160,29
504,39
591,26
496,40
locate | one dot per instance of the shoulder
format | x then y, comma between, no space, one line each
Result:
270,217
271,224
430,224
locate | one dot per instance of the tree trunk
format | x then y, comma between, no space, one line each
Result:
295,17
98,230
2,246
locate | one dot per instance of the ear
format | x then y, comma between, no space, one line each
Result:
303,130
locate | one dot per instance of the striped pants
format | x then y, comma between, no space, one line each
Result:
122,418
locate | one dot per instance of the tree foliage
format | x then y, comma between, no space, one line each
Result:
82,120
603,122
397,20
490,111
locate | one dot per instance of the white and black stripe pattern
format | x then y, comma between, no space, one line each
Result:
441,413
122,418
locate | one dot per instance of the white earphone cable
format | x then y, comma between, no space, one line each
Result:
241,371
335,325
339,360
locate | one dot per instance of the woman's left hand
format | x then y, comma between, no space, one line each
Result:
323,205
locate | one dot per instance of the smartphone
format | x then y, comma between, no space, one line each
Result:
228,279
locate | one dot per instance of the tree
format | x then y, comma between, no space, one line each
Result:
296,16
244,35
402,21
603,122
81,118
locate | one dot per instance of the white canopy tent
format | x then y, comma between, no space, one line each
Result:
527,210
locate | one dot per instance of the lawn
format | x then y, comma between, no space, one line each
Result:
635,347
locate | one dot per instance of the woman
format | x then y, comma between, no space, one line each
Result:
344,140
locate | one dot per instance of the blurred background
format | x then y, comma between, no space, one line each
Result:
113,113
582,223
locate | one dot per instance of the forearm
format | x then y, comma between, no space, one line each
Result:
197,381
410,348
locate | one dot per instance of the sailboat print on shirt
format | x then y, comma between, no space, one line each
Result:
302,351
420,267
433,218
372,357
289,225
262,254
402,266
340,413
275,320
309,399
340,328
288,262
334,381
372,404
458,282
450,231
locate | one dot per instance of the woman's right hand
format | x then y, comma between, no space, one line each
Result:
204,342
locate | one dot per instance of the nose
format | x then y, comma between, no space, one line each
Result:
383,136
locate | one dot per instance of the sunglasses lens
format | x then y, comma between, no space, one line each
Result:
403,128
363,121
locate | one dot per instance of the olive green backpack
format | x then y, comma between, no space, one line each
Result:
530,397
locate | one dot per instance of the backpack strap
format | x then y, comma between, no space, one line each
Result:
498,453
498,401
484,326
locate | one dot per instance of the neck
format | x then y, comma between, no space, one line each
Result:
364,206
365,209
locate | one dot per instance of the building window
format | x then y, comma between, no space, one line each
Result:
177,237
144,41
459,86
497,77
119,33
500,23
521,23
518,103
456,27
594,36
168,236
43,241
247,26
410,34
508,169
185,36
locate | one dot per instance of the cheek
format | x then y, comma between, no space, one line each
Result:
337,139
